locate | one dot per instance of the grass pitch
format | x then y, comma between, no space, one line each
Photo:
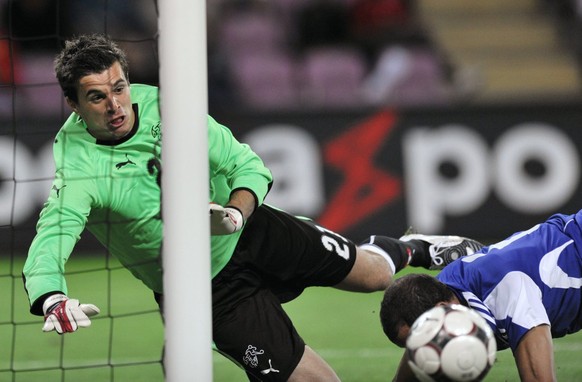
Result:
125,341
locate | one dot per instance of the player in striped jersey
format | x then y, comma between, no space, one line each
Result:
527,287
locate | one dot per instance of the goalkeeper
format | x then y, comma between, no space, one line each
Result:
108,157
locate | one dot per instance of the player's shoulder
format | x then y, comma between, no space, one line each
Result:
143,92
72,120
72,131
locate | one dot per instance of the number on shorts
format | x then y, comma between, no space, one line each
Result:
330,241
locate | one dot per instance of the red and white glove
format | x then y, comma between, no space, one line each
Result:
225,220
66,315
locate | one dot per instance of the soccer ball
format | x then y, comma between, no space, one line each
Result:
450,343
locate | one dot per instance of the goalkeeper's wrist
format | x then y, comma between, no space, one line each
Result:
52,301
238,209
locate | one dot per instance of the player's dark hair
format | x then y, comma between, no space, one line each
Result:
84,55
406,299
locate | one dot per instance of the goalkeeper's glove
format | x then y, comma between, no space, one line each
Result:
225,220
65,315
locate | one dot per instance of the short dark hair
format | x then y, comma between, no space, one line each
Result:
84,55
407,298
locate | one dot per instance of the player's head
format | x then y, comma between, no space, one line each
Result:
92,71
406,299
84,55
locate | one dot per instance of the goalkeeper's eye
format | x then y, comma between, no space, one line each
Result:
95,98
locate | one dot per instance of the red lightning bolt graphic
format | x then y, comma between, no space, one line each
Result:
365,188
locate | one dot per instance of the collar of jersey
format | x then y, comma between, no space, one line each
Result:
128,135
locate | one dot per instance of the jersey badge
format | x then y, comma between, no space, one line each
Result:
156,130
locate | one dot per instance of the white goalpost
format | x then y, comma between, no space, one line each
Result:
186,248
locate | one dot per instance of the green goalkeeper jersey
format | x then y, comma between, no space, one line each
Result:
112,189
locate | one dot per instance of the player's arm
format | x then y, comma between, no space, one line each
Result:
45,283
534,355
526,322
404,372
59,227
246,177
242,168
244,201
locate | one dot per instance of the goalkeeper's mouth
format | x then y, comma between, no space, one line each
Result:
118,126
117,122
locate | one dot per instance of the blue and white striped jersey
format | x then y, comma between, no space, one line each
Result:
531,278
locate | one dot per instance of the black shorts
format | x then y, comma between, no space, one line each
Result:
277,257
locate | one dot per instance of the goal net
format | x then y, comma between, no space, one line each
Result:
126,340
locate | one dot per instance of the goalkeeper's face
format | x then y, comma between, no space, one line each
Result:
105,103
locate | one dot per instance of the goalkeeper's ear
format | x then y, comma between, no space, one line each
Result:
72,104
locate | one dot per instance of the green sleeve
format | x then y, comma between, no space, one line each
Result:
59,227
233,165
